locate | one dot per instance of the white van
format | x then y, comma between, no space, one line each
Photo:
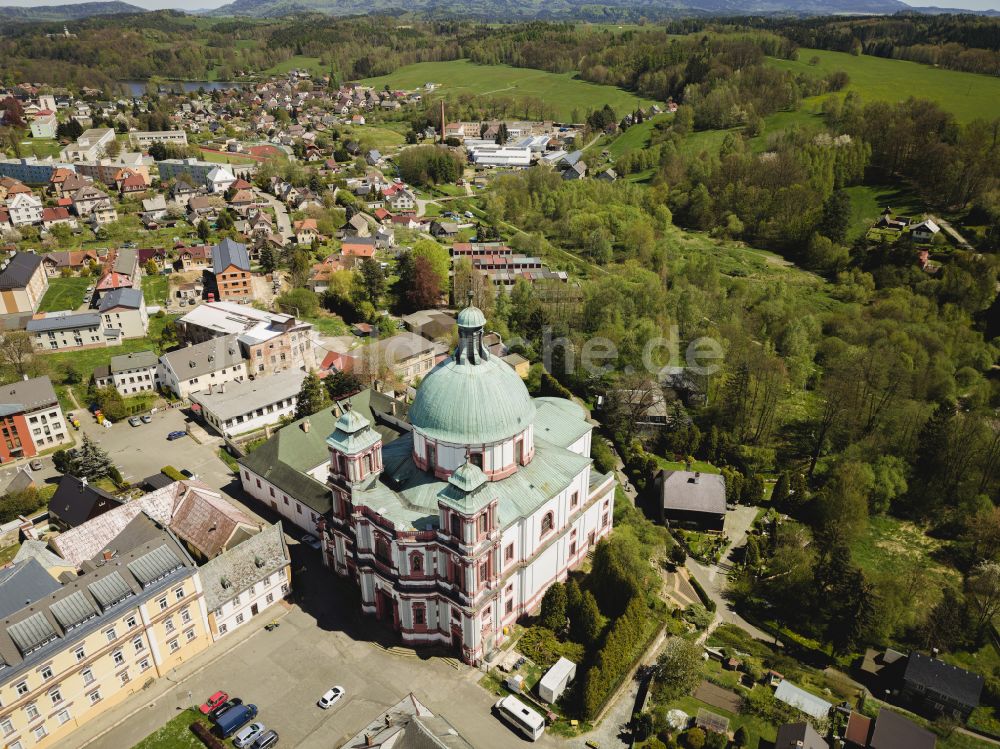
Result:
521,718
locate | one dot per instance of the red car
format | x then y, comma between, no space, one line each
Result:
213,702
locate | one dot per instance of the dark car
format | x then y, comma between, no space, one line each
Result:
266,741
176,435
221,709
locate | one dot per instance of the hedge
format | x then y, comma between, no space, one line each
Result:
708,602
172,473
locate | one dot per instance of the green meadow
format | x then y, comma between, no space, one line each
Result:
562,91
968,95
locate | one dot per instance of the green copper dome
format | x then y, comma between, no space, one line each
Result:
472,398
471,317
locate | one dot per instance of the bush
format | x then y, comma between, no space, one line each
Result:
709,603
172,473
544,648
694,738
623,645
600,451
15,504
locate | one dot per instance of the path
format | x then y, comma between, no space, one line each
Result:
713,578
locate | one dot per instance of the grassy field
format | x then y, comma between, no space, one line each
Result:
561,91
155,289
968,95
176,734
225,158
868,202
64,293
636,137
296,62
380,138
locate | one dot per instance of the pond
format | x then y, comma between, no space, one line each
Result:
138,88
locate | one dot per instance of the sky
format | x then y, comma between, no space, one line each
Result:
205,4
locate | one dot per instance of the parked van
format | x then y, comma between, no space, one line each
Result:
234,719
521,718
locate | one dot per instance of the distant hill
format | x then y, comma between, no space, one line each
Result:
556,9
67,12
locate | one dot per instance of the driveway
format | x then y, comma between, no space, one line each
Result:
321,641
284,224
714,578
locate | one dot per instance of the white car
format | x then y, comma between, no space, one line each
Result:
310,540
248,734
331,698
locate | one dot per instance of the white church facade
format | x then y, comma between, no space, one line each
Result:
456,529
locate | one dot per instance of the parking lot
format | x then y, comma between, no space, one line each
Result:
322,641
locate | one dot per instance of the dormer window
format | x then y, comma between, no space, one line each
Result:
476,459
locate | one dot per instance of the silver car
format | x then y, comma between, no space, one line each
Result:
247,735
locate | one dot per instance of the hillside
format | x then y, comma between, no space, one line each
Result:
67,12
558,9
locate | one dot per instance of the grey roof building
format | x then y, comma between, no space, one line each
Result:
240,568
799,736
136,360
76,501
40,552
126,261
895,731
239,407
693,498
939,687
203,358
227,253
30,395
64,321
57,616
23,584
409,725
19,270
124,297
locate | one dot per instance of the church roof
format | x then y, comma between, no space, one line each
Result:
408,497
472,397
353,433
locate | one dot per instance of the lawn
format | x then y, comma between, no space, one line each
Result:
968,95
176,734
370,136
868,202
328,324
43,147
83,362
561,91
756,727
312,64
64,294
636,137
225,158
675,465
155,289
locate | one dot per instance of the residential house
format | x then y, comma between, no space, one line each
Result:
73,651
219,179
357,226
123,273
925,231
407,355
181,191
25,209
202,367
799,736
72,260
77,501
23,283
231,268
88,200
129,373
61,331
246,580
194,258
692,499
31,419
44,124
444,229
244,407
936,687
124,310
52,217
888,730
305,231
358,248
432,324
271,342
154,208
402,200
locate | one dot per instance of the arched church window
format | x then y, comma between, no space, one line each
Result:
417,564
548,522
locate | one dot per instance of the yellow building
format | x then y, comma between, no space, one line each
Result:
71,650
